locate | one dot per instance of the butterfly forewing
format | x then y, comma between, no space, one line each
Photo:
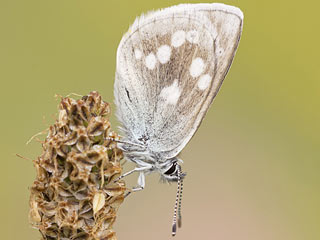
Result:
170,66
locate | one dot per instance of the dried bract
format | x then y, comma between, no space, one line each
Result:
74,195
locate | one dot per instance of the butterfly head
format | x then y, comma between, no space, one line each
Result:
172,171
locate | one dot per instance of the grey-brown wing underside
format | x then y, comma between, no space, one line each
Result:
170,66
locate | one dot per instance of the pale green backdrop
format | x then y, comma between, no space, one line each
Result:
253,167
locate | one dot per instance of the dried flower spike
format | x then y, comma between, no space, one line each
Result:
74,195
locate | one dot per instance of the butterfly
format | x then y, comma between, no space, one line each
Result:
170,66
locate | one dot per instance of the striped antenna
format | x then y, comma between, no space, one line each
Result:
178,199
179,208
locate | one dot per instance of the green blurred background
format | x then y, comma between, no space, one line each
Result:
253,167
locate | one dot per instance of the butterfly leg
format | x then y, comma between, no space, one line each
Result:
137,169
141,184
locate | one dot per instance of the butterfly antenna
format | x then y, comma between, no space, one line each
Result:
179,207
174,222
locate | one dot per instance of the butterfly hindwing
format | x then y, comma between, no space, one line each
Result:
170,66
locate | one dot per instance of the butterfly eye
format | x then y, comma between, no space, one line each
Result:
171,170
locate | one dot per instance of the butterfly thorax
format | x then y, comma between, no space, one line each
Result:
151,162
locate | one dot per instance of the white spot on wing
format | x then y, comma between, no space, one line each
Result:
204,81
197,67
193,36
151,61
164,53
137,54
172,93
178,38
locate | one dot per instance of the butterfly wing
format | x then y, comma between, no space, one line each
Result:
170,66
